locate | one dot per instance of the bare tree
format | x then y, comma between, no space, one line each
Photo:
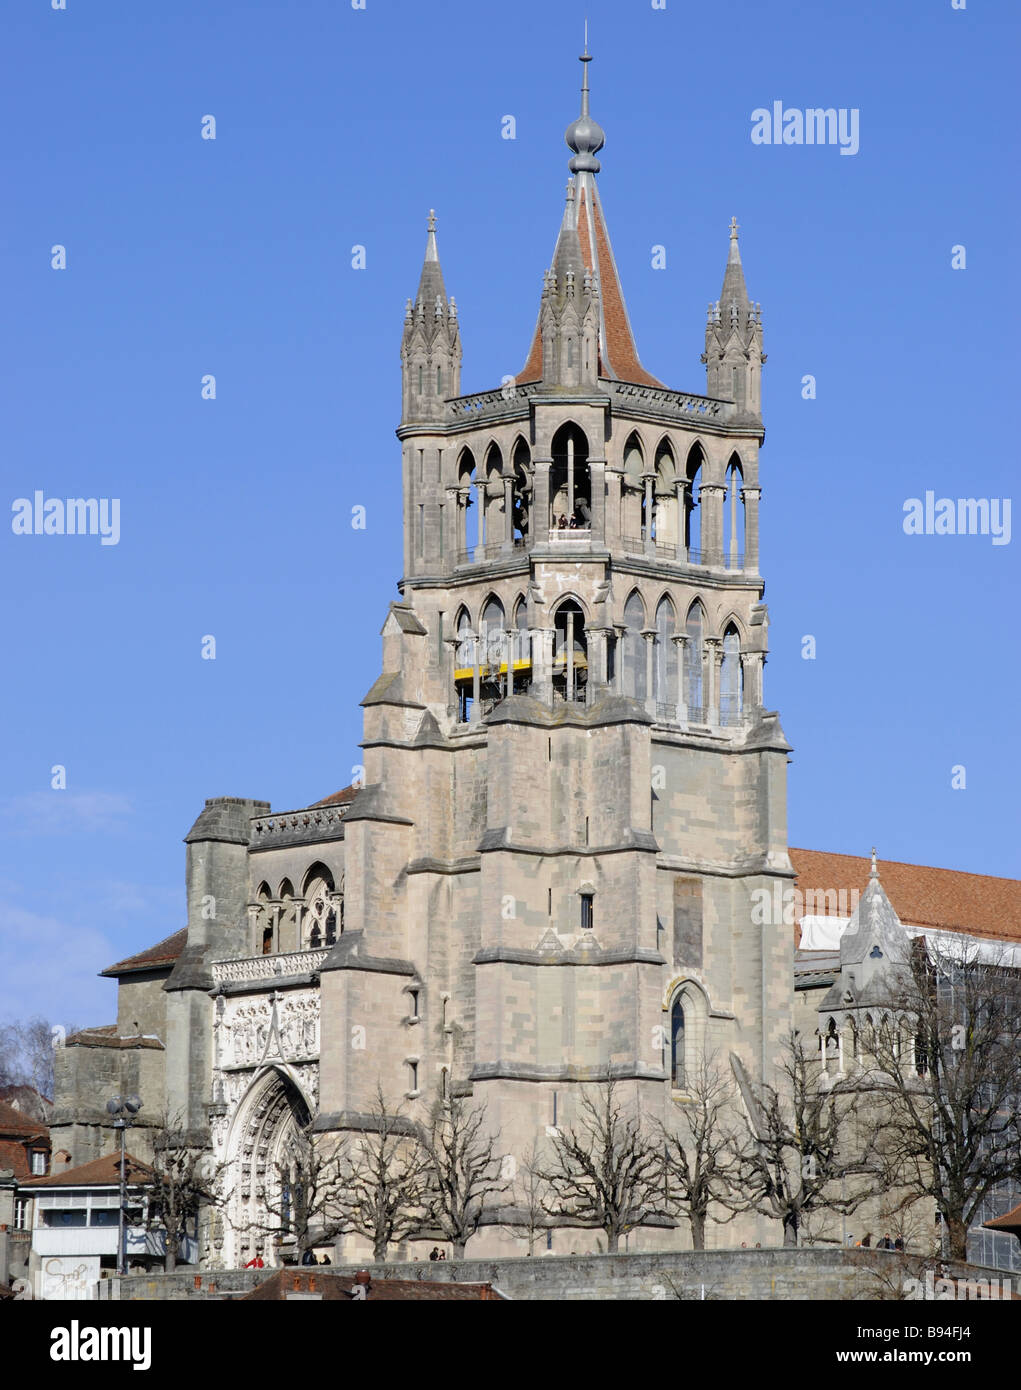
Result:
384,1180
606,1172
27,1049
300,1203
529,1193
184,1180
464,1169
945,1067
806,1147
698,1148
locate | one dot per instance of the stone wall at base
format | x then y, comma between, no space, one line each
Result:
686,1275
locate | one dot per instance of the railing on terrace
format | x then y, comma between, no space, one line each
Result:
567,535
313,819
494,550
282,964
512,398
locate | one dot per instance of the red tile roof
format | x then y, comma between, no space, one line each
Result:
1010,1221
164,953
14,1121
334,1287
340,798
101,1172
618,355
948,899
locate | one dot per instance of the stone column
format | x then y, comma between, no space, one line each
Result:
649,633
682,513
542,663
463,498
541,521
508,512
299,908
714,655
597,499
452,643
710,498
619,630
476,713
680,641
650,546
596,658
570,478
750,497
751,666
610,508
569,650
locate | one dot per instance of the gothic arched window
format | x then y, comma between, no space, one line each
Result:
633,664
731,683
733,517
320,915
664,667
693,537
677,1044
694,628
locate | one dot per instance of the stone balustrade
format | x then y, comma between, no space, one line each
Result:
278,966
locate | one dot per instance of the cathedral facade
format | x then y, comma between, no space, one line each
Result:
573,800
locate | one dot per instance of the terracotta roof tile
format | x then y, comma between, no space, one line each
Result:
948,899
164,953
1010,1221
101,1172
618,354
340,798
15,1121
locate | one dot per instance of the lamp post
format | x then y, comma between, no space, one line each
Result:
124,1108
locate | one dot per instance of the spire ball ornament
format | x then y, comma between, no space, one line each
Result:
584,136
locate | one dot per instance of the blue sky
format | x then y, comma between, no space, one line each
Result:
338,127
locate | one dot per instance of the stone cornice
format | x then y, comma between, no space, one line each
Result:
513,955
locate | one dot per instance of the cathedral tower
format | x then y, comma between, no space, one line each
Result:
574,794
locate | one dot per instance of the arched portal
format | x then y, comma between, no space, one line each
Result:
260,1150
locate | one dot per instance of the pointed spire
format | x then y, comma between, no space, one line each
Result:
734,289
584,136
584,258
430,285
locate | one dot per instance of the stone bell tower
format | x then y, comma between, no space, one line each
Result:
574,793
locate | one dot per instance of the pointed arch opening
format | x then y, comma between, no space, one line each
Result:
734,515
267,1153
666,515
570,486
322,919
678,1071
633,663
731,678
570,653
470,495
664,667
521,492
694,478
694,631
